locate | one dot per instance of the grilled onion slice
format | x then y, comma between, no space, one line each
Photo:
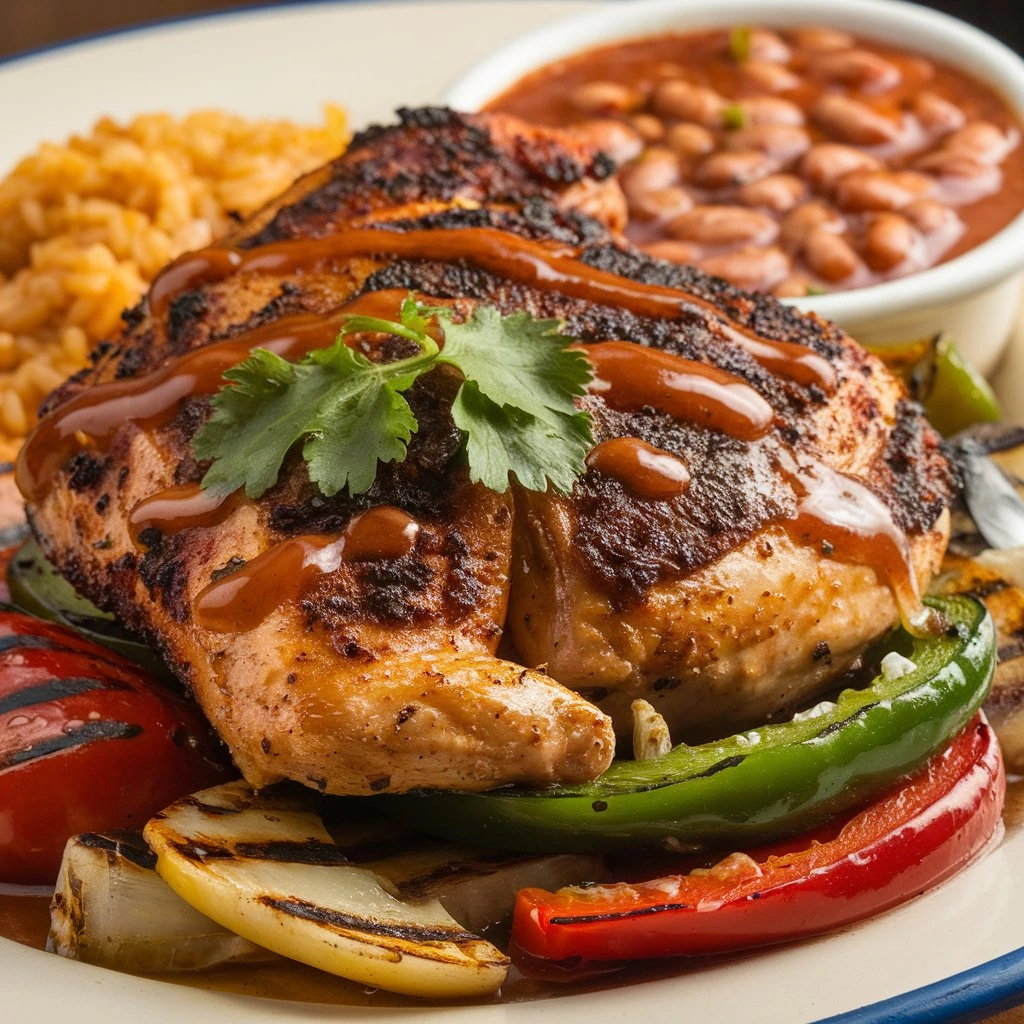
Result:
264,866
112,909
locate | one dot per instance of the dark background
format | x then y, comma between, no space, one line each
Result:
25,24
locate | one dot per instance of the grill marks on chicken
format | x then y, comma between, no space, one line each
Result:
382,674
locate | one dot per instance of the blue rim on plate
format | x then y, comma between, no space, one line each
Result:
971,995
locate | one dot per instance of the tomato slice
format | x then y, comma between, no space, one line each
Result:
87,743
898,847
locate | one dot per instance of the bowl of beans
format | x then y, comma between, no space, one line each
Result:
864,161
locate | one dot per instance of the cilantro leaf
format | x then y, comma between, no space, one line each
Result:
503,441
516,361
364,420
416,316
348,407
254,424
515,407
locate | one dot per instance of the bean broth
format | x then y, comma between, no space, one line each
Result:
798,163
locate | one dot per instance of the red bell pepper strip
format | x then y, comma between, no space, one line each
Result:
903,844
87,742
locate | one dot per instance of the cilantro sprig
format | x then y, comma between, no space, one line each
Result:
515,407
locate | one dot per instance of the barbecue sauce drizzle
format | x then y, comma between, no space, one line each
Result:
153,399
847,517
628,376
241,601
184,507
848,522
647,471
543,266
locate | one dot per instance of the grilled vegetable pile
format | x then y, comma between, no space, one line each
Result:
772,781
88,742
227,875
905,843
848,808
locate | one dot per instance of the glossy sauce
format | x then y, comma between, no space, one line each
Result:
241,601
93,416
26,920
184,507
25,914
685,389
630,376
847,522
985,201
647,471
547,267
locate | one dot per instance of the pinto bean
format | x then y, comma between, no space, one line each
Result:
766,75
858,69
720,170
849,120
889,240
777,192
882,190
930,217
656,169
781,142
690,140
821,39
981,141
770,110
952,163
600,99
669,69
794,286
916,70
813,216
937,115
829,255
827,162
648,127
661,204
961,178
672,250
770,46
615,138
685,101
752,267
724,225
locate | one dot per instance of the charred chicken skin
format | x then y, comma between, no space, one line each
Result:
815,501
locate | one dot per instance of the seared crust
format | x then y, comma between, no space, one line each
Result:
415,630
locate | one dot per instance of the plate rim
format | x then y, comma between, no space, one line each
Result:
973,994
151,24
978,992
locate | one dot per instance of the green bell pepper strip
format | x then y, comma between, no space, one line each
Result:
771,781
955,395
38,588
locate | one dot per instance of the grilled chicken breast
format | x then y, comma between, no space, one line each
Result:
382,674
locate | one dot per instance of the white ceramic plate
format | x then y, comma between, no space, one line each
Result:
373,57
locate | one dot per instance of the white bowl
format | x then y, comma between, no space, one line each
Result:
976,296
